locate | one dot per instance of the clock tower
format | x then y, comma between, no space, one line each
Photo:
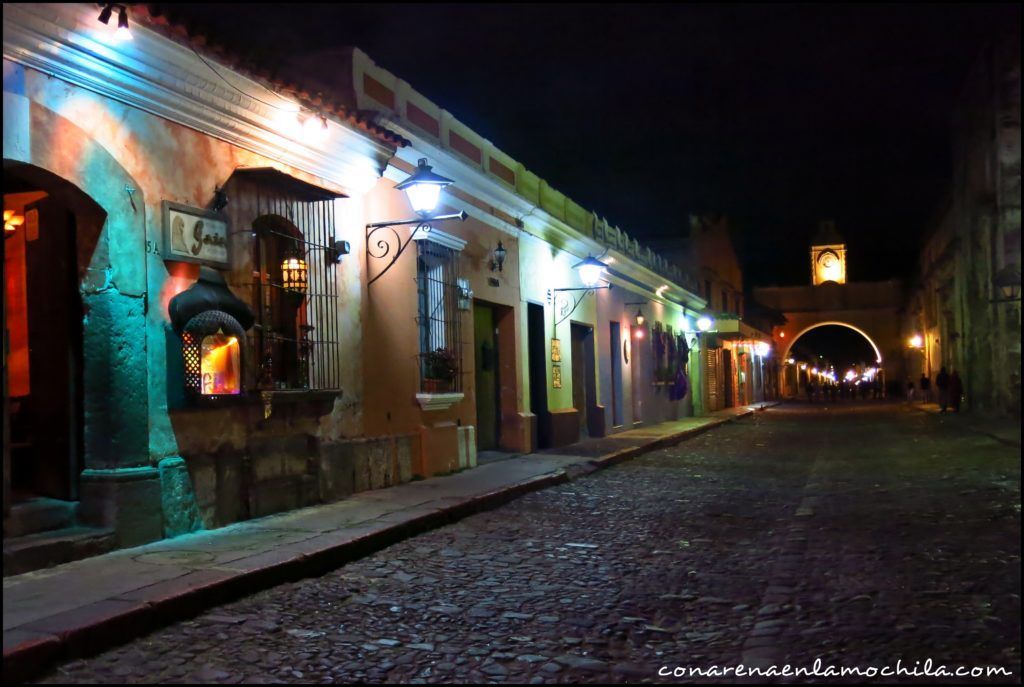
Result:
828,255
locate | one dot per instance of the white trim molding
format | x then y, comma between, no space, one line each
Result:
156,75
435,235
438,401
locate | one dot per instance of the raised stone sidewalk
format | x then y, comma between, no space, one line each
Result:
1004,430
83,607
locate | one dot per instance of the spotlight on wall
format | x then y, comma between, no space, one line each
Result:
122,33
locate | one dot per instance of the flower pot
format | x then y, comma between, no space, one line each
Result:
436,386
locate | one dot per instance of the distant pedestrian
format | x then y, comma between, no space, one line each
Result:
910,390
956,391
925,385
942,384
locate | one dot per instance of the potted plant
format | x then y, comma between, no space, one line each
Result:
440,367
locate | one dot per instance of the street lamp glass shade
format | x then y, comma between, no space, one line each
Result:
423,188
591,270
704,323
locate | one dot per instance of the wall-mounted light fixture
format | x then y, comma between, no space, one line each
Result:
915,341
705,323
591,271
122,32
1007,280
639,317
294,273
498,258
423,190
12,221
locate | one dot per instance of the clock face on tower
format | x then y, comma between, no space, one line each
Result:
828,266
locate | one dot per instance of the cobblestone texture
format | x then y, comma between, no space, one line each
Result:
859,535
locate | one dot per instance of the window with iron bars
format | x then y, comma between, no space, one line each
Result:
439,319
296,341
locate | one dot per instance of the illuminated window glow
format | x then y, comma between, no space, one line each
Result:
220,365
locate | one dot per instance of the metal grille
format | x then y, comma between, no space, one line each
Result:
440,324
296,338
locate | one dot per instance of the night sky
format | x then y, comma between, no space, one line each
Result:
777,115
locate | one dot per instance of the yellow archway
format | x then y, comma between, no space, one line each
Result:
878,354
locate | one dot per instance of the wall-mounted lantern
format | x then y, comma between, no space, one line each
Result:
915,341
705,323
1007,280
12,221
212,322
591,271
423,189
639,317
498,258
294,273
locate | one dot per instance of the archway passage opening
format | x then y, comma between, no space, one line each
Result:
836,344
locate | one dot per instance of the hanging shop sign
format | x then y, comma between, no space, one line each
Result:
194,235
556,351
556,376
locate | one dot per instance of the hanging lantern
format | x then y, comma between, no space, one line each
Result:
294,275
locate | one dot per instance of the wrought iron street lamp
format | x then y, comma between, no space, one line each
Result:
423,189
591,271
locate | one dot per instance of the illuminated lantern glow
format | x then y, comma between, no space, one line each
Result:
704,323
916,341
639,317
591,270
761,348
294,274
423,188
814,370
220,366
12,221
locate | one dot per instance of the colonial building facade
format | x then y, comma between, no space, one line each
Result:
214,316
965,304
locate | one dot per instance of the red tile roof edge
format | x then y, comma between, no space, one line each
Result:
153,18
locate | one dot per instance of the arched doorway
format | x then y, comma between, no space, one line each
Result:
48,249
838,357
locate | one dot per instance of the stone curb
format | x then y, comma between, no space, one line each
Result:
97,627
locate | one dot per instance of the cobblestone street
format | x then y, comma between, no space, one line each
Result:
860,534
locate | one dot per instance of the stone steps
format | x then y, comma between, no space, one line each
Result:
46,549
39,514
